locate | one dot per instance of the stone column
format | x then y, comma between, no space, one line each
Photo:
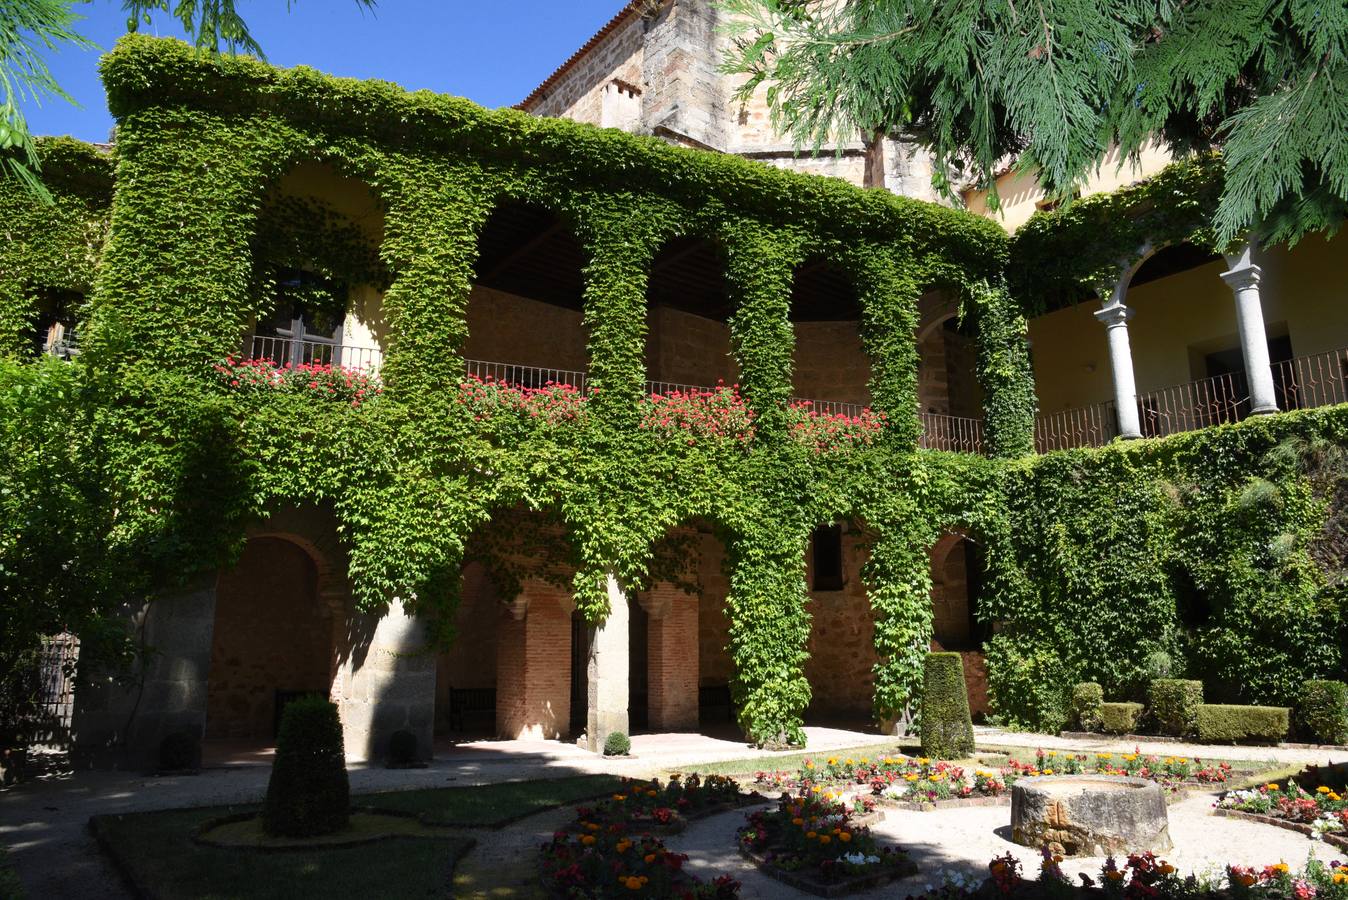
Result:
533,665
1115,317
387,686
118,726
607,672
1243,279
671,658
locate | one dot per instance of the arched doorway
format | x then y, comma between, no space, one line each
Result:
957,581
272,641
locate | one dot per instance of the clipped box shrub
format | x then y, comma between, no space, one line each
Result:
1120,718
1087,698
617,744
947,728
1174,705
1226,724
1322,711
308,793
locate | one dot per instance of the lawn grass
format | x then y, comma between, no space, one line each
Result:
156,852
10,886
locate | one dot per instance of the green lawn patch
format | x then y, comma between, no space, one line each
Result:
156,852
10,885
494,805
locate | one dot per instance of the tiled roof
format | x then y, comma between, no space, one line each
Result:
628,10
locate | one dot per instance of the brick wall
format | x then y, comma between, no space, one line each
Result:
471,661
533,667
271,632
671,659
714,666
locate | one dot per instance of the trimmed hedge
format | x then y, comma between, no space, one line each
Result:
308,793
1222,723
1087,698
1174,705
947,728
1120,718
617,744
1322,711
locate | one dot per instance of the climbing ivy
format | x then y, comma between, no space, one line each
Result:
433,471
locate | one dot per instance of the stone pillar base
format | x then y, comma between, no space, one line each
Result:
392,688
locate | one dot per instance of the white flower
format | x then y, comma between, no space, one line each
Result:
859,859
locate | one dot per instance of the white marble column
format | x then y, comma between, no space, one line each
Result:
1115,317
1243,279
608,672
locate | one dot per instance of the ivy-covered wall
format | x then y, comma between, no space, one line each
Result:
1083,549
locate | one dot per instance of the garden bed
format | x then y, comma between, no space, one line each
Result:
1334,840
1313,802
819,846
649,807
601,863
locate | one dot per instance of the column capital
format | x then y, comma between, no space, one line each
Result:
1114,314
1242,276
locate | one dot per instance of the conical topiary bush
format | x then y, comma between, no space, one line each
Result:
308,793
947,729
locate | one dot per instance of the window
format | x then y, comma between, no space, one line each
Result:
305,327
828,561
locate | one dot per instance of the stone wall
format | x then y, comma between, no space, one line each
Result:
511,329
578,93
829,362
687,349
842,643
271,633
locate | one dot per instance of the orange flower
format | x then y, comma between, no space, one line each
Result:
824,839
811,835
844,836
649,858
1114,875
587,840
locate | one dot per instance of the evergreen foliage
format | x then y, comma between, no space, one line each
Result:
1173,704
1087,698
947,729
308,793
617,744
1322,711
1120,718
1059,85
1226,724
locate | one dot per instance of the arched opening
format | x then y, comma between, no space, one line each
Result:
273,641
515,664
950,396
688,307
957,574
525,322
316,261
830,368
842,657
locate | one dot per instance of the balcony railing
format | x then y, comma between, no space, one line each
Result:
1311,381
1088,426
1194,405
830,407
523,376
956,433
284,351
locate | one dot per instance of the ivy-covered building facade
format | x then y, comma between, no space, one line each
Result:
482,422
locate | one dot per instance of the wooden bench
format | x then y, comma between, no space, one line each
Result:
475,704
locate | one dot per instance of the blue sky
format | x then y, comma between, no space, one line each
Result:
491,52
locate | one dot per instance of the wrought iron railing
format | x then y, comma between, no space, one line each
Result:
284,351
38,698
1087,426
960,434
523,376
1310,381
1194,405
830,407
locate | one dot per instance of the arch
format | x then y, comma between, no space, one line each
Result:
688,307
957,577
948,384
317,269
273,639
525,321
842,656
829,361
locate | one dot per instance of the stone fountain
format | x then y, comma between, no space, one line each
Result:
1090,815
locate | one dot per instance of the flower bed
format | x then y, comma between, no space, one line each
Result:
921,783
816,844
649,806
1320,812
612,862
1146,877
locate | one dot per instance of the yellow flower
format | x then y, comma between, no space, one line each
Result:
1333,796
1048,771
847,761
809,764
833,760
1322,789
865,761
1340,878
1166,869
910,777
1271,787
1279,867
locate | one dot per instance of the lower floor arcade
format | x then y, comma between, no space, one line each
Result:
280,623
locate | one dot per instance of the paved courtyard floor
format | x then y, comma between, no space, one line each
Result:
43,823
